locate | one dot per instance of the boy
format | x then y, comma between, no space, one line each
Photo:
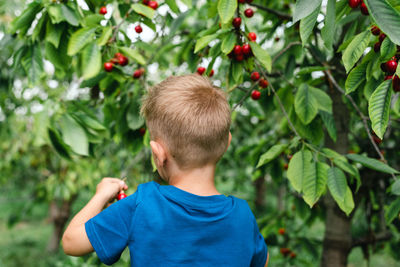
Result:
185,223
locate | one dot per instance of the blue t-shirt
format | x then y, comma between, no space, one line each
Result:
166,226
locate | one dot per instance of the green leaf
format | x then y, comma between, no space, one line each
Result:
228,43
188,3
133,54
324,101
58,144
300,169
237,71
355,49
347,205
204,41
355,78
337,183
74,135
373,164
379,107
173,6
388,49
70,15
105,36
55,13
314,185
226,10
307,25
332,154
135,121
79,39
392,211
39,29
329,123
304,8
305,104
328,31
54,32
54,56
32,62
271,154
91,61
92,20
91,122
387,18
24,21
262,55
395,187
143,10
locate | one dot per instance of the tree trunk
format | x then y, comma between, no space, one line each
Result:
337,239
59,215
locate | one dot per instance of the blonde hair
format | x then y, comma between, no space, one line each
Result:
191,116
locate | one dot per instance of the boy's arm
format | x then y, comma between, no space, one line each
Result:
75,240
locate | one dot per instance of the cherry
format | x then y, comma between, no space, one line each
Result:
364,9
246,49
137,74
201,70
153,4
383,67
375,30
242,1
145,2
286,166
103,10
382,37
236,22
292,255
388,77
249,12
211,73
255,95
237,50
377,47
252,36
281,231
108,66
396,84
391,66
255,76
123,60
239,57
263,83
138,29
117,55
354,3
142,131
284,251
121,196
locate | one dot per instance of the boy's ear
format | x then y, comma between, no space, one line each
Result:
159,153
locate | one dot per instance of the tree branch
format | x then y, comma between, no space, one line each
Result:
284,50
373,238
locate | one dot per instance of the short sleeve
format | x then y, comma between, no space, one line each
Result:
261,250
109,231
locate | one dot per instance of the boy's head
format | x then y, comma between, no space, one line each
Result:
191,117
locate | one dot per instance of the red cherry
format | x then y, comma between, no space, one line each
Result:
249,12
284,251
239,57
236,22
292,255
263,83
137,74
391,66
281,231
242,1
255,94
286,166
117,55
388,77
255,76
375,30
354,3
201,70
142,131
108,66
145,2
138,29
153,4
237,50
252,36
382,37
377,47
383,67
364,9
121,196
396,84
123,60
211,73
246,49
103,10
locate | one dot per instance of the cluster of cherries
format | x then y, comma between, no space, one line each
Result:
361,4
389,67
201,70
121,60
286,251
263,83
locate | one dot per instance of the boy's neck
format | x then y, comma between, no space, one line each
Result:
198,181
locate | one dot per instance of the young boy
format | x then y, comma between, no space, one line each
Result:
185,223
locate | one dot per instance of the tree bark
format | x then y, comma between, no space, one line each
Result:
337,240
59,215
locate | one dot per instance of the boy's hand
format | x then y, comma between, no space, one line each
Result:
109,188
